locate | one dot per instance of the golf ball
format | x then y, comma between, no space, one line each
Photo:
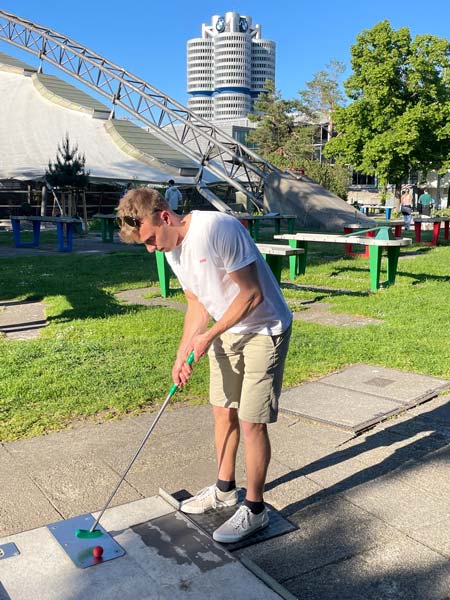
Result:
97,551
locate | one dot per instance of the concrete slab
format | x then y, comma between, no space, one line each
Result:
353,499
328,532
350,410
136,296
21,320
396,570
360,396
17,494
320,312
167,557
399,386
79,479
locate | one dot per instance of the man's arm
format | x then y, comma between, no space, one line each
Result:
248,298
195,323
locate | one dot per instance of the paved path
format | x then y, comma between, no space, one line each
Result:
86,244
21,320
372,512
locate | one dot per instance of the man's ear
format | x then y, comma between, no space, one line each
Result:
166,217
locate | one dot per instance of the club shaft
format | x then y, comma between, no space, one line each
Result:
147,435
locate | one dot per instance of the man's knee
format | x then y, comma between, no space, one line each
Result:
252,430
225,416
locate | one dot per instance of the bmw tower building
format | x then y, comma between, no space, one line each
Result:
227,67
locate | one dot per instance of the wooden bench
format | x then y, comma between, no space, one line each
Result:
107,223
395,224
272,253
384,240
436,222
65,226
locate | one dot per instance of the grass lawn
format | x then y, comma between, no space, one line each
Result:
101,359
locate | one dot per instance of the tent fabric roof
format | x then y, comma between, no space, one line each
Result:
32,127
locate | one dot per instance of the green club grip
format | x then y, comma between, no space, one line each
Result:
189,360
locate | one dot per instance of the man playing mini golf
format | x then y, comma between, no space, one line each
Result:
224,277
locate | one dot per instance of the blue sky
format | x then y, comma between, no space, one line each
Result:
149,37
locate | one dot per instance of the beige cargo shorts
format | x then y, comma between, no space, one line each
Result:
246,373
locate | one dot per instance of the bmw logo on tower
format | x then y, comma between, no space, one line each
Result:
227,67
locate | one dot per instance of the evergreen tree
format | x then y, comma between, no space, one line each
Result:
274,118
69,168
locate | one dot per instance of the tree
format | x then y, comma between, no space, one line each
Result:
278,138
69,168
323,94
274,118
287,141
335,178
398,119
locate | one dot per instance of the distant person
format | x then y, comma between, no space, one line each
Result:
426,202
173,196
406,206
127,189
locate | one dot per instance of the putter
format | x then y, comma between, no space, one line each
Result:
92,532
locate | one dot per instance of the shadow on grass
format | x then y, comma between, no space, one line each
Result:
79,281
326,291
417,277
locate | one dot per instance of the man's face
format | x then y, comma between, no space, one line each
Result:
158,236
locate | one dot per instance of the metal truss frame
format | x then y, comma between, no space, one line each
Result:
169,120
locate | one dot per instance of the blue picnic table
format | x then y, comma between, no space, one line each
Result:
369,209
65,227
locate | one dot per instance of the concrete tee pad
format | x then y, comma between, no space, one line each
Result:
211,520
167,556
360,396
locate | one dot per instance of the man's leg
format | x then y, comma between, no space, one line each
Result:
252,515
223,492
225,387
264,358
226,430
257,458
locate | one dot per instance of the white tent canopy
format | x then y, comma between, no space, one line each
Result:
32,127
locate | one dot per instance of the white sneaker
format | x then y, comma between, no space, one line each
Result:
242,524
208,499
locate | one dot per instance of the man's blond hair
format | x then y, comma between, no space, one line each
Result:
140,203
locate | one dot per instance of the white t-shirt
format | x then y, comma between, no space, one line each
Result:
173,197
217,244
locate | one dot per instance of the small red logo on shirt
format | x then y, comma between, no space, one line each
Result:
202,260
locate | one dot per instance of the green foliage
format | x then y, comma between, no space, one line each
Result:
69,168
292,147
299,148
399,117
443,212
334,178
323,94
274,118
